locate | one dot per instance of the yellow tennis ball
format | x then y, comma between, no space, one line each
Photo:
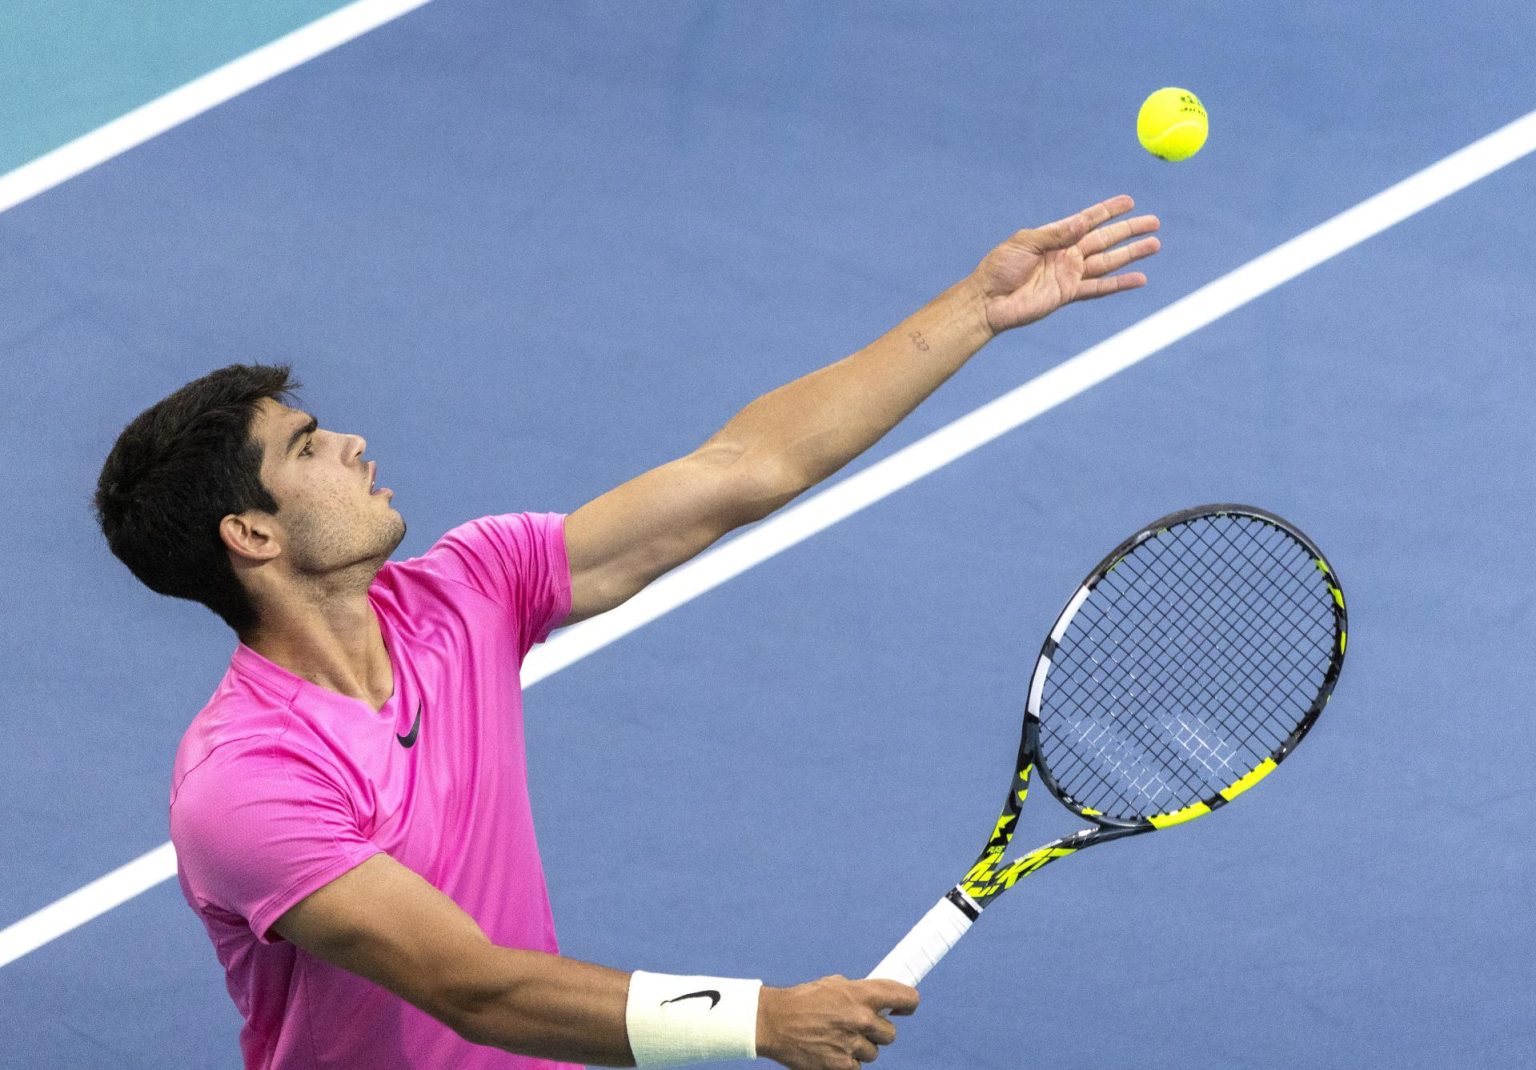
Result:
1172,124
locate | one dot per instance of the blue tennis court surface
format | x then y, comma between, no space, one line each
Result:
530,253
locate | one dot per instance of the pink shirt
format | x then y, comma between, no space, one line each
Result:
282,786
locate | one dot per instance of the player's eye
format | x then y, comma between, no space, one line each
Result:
308,449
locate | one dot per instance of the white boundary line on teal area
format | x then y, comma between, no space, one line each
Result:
197,96
883,478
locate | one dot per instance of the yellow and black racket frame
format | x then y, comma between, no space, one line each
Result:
989,875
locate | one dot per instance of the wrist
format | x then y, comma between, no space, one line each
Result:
672,1019
767,1035
972,295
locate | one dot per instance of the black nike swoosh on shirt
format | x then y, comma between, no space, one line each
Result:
409,740
714,997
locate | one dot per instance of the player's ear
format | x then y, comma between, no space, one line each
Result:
250,536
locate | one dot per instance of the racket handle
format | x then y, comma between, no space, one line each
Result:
929,941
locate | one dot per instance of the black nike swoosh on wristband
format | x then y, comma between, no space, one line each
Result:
714,997
409,740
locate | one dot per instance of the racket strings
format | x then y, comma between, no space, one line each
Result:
1261,624
1258,732
1199,690
1182,693
1190,662
1175,737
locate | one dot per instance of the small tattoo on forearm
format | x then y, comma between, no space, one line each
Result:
918,340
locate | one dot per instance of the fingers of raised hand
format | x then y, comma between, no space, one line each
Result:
1087,222
1089,289
1107,210
1083,227
1101,238
1114,259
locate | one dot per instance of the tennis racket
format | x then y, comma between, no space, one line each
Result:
1184,669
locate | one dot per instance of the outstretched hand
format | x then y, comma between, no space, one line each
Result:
1035,272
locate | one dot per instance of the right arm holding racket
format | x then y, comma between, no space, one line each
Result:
382,921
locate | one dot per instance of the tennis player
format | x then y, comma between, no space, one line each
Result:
350,811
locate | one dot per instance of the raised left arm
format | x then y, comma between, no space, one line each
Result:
794,437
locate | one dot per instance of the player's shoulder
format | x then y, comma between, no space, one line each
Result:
245,721
479,554
496,533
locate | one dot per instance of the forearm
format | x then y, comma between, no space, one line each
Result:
806,430
559,1008
546,1006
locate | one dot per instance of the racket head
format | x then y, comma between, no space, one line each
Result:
1188,664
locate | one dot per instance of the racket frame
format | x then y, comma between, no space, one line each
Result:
988,877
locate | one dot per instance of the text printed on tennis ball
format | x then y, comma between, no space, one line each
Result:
1172,124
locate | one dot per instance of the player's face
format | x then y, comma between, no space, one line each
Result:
332,514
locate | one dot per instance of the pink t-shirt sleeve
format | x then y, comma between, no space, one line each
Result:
257,827
518,561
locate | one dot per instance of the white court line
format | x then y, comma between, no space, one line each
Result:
883,478
1042,393
197,96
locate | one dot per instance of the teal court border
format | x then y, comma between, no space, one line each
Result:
70,66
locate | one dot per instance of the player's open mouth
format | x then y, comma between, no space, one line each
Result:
373,479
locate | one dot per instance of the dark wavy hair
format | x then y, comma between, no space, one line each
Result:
176,471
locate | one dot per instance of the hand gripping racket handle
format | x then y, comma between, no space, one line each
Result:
929,941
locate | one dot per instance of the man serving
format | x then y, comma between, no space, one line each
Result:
350,809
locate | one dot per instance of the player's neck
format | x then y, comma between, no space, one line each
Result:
335,644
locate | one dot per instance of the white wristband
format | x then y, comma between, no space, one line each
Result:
674,1019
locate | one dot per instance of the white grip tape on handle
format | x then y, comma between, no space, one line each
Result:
922,948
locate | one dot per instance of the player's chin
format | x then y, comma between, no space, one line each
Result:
396,532
388,532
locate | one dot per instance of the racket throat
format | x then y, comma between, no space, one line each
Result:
963,903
